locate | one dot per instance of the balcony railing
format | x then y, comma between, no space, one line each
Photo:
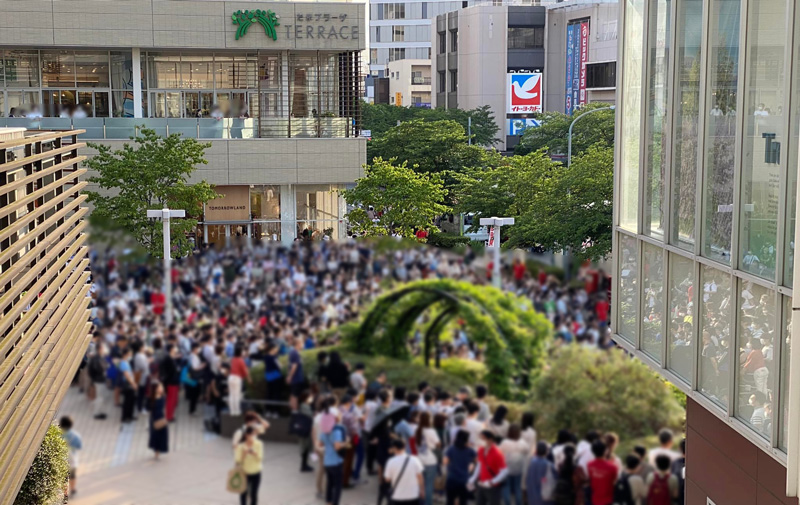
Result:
421,80
198,128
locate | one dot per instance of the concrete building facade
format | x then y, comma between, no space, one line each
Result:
601,17
44,273
412,80
475,52
273,86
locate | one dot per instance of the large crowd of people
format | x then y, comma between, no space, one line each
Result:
430,445
236,307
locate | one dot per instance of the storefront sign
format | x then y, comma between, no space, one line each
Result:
234,205
267,19
524,92
322,27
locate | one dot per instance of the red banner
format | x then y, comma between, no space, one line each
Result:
584,59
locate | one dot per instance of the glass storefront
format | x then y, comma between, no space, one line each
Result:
315,212
299,94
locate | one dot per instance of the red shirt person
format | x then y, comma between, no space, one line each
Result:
602,476
491,470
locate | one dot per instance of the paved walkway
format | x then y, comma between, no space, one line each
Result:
116,468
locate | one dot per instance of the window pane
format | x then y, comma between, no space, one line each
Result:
628,287
525,37
720,129
22,69
687,102
755,339
681,323
792,149
58,69
631,113
761,159
197,72
653,301
658,92
317,202
786,350
265,202
164,71
715,334
92,70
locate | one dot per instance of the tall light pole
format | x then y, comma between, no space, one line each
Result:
165,215
494,243
569,136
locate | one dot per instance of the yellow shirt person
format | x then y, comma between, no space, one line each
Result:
250,457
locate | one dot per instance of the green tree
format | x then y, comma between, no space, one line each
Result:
47,476
380,118
427,146
597,127
554,206
583,389
403,200
151,174
569,207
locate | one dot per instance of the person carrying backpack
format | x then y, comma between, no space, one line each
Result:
630,488
662,486
678,469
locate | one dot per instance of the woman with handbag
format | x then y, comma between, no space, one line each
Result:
159,429
249,455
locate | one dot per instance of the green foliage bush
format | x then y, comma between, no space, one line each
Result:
453,373
506,325
582,389
447,240
44,484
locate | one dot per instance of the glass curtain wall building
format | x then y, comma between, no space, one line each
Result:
705,202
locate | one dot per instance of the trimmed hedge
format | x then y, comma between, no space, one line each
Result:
44,484
453,373
447,240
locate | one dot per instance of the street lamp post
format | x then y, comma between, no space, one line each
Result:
165,215
569,136
494,243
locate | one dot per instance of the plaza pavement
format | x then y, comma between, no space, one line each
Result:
116,468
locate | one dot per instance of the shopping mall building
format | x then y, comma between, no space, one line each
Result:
274,87
708,115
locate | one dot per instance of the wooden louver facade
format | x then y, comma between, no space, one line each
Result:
44,289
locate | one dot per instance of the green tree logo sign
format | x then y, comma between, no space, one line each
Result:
267,19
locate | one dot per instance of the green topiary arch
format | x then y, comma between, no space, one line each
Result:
506,325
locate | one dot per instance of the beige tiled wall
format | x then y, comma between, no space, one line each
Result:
170,24
277,161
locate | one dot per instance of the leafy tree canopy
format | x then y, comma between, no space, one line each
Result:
596,128
403,200
381,118
554,206
570,207
152,173
427,146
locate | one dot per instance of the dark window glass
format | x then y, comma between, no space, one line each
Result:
525,37
442,42
601,75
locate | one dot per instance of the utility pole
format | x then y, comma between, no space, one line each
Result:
165,215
